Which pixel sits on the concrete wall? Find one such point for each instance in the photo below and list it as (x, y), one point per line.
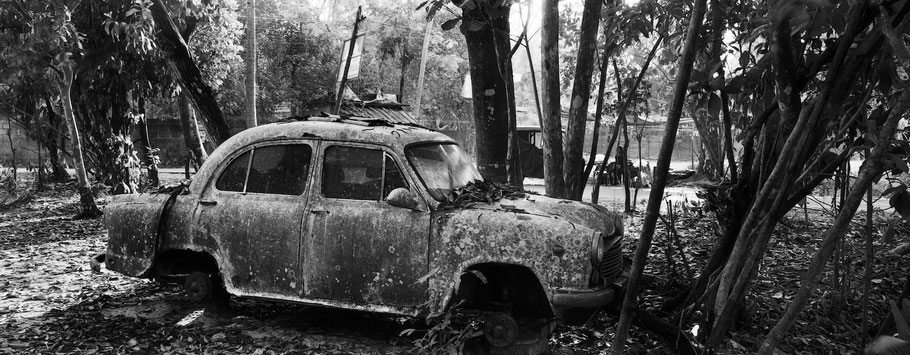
(26, 149)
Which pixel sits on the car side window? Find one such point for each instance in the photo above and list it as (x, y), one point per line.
(234, 176)
(279, 169)
(359, 174)
(275, 169)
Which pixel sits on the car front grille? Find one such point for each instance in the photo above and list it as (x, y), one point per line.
(611, 264)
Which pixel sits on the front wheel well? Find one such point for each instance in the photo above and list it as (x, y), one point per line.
(502, 287)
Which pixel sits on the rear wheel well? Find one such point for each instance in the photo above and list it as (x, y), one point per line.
(181, 262)
(501, 287)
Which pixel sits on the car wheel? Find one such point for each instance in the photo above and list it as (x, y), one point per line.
(502, 334)
(198, 286)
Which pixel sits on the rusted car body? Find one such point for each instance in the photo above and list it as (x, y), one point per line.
(353, 214)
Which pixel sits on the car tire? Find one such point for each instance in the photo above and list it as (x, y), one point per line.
(523, 339)
(199, 286)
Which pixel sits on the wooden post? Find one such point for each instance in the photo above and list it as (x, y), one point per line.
(423, 68)
(347, 63)
(251, 120)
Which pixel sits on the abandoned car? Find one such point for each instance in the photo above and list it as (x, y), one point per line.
(359, 214)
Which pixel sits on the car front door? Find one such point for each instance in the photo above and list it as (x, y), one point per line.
(360, 249)
(253, 210)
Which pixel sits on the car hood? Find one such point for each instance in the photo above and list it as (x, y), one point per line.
(551, 237)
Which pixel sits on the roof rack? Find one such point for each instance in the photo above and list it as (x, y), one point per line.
(354, 120)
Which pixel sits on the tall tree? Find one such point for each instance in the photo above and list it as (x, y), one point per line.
(660, 175)
(573, 163)
(554, 179)
(86, 200)
(485, 26)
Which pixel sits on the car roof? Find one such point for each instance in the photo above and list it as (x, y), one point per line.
(350, 129)
(326, 128)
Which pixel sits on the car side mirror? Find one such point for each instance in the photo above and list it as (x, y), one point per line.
(404, 198)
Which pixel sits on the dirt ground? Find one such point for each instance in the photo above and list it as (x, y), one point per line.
(51, 302)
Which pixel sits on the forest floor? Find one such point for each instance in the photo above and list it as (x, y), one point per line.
(50, 300)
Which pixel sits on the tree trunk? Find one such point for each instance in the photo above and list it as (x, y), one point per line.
(146, 151)
(552, 122)
(12, 149)
(660, 176)
(872, 168)
(251, 120)
(191, 131)
(768, 206)
(514, 174)
(87, 202)
(187, 73)
(598, 119)
(728, 137)
(55, 142)
(490, 90)
(626, 178)
(573, 162)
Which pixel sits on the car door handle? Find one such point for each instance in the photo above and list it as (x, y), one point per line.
(208, 202)
(319, 211)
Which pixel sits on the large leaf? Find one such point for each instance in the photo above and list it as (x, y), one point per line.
(450, 24)
(901, 203)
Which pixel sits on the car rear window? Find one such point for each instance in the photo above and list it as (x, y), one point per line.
(276, 169)
(279, 169)
(359, 174)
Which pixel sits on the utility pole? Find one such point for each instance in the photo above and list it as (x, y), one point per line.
(423, 68)
(251, 65)
(347, 63)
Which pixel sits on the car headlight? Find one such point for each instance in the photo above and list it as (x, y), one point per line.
(597, 248)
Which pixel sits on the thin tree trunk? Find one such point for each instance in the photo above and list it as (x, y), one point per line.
(12, 148)
(660, 177)
(728, 136)
(515, 176)
(146, 151)
(552, 123)
(87, 202)
(867, 272)
(534, 83)
(626, 183)
(251, 51)
(598, 119)
(573, 162)
(191, 131)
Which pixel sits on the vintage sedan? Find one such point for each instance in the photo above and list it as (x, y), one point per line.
(359, 214)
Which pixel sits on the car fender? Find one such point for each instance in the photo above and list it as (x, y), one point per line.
(134, 223)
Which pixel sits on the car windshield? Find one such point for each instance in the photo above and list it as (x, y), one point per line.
(443, 167)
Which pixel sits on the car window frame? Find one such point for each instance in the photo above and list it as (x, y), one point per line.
(213, 181)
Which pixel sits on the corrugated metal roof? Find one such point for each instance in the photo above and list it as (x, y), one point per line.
(393, 113)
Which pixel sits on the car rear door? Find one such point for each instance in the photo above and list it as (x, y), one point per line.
(359, 248)
(253, 209)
